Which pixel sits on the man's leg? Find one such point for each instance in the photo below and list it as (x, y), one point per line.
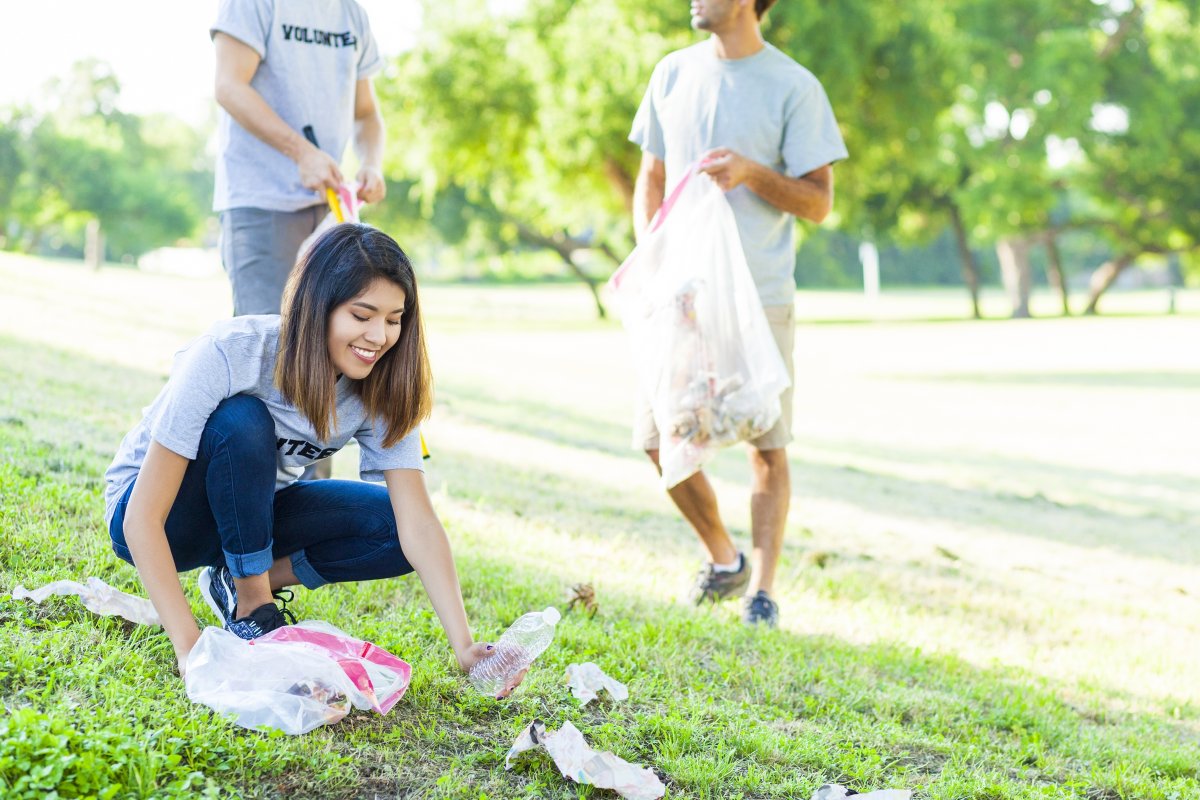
(770, 497)
(259, 249)
(771, 484)
(697, 501)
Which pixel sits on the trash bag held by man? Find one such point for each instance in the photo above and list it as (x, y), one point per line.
(702, 346)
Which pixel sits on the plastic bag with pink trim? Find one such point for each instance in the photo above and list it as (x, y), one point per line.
(293, 679)
(705, 356)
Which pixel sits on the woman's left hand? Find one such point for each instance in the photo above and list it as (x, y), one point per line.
(478, 652)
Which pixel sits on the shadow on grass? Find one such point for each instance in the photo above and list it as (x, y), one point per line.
(537, 420)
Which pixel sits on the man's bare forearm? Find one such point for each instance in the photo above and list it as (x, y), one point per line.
(647, 199)
(370, 139)
(806, 197)
(250, 111)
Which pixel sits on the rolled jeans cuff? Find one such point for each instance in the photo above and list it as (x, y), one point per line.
(243, 565)
(304, 571)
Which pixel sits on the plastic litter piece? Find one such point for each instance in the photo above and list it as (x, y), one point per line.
(587, 680)
(835, 791)
(577, 761)
(98, 597)
(293, 679)
(523, 642)
(706, 360)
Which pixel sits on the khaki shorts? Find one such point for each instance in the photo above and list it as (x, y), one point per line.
(783, 327)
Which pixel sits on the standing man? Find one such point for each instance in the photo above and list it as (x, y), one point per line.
(283, 65)
(768, 133)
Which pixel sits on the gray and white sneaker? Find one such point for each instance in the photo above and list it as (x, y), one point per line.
(713, 584)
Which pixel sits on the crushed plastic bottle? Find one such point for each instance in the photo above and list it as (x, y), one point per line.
(524, 641)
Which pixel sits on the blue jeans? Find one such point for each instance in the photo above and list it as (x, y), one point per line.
(228, 512)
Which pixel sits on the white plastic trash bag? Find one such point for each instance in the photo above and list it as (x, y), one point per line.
(293, 679)
(702, 346)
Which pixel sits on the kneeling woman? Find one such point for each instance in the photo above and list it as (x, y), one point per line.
(209, 477)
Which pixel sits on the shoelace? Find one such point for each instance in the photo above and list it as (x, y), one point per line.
(284, 611)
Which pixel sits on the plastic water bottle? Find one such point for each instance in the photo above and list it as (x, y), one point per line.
(524, 641)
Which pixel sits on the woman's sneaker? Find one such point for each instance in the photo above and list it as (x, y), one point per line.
(218, 590)
(263, 619)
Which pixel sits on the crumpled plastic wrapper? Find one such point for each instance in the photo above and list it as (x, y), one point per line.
(98, 597)
(577, 761)
(835, 791)
(587, 680)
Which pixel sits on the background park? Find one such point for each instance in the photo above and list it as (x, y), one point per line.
(991, 582)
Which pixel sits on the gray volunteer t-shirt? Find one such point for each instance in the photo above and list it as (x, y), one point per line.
(313, 54)
(766, 107)
(237, 356)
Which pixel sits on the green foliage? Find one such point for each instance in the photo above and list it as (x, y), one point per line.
(144, 179)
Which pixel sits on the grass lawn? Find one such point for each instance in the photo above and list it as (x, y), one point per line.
(990, 589)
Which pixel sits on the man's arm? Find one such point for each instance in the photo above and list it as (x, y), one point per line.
(370, 137)
(236, 64)
(809, 197)
(648, 192)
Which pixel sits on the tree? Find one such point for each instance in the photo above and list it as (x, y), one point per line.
(142, 179)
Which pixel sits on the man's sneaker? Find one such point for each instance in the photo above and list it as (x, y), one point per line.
(217, 589)
(760, 609)
(713, 584)
(263, 619)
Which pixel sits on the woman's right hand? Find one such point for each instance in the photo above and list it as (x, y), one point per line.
(480, 651)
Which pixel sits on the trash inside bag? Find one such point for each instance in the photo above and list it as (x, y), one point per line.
(705, 357)
(293, 679)
(98, 597)
(577, 761)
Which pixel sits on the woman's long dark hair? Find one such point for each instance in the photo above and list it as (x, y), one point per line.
(339, 267)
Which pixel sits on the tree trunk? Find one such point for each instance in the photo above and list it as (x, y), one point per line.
(1102, 278)
(621, 182)
(93, 245)
(1054, 271)
(565, 246)
(970, 269)
(1014, 269)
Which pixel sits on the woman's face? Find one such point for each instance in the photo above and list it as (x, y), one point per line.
(363, 329)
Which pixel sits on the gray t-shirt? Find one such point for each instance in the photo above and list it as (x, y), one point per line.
(765, 107)
(313, 54)
(237, 356)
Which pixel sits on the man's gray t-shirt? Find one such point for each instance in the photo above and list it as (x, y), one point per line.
(765, 107)
(313, 54)
(237, 356)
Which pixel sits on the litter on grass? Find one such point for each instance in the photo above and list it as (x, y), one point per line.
(577, 761)
(98, 597)
(293, 679)
(587, 680)
(835, 791)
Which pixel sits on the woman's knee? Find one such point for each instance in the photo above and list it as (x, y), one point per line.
(243, 424)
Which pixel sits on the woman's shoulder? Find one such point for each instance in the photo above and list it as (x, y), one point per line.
(244, 334)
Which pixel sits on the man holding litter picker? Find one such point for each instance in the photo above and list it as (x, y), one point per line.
(283, 66)
(764, 127)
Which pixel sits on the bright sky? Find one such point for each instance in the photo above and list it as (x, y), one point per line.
(159, 49)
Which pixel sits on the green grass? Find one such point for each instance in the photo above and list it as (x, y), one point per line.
(990, 586)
